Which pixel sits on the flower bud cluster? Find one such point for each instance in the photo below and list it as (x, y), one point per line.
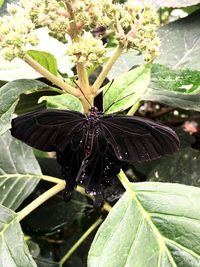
(133, 24)
(93, 14)
(139, 23)
(52, 14)
(16, 30)
(88, 50)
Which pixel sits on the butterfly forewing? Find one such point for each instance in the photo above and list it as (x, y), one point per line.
(47, 130)
(138, 139)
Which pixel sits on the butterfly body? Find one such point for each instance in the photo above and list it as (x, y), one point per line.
(91, 149)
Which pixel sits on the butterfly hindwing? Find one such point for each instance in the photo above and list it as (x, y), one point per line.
(137, 139)
(91, 168)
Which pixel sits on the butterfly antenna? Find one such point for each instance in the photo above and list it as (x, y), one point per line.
(108, 87)
(118, 101)
(120, 98)
(83, 93)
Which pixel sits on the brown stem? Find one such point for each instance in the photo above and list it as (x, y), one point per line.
(73, 26)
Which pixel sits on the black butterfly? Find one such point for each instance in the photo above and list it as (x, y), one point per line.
(92, 148)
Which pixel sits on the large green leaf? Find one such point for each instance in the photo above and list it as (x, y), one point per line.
(28, 103)
(13, 249)
(16, 69)
(179, 88)
(47, 60)
(180, 168)
(180, 43)
(126, 89)
(124, 63)
(19, 171)
(188, 102)
(63, 101)
(183, 81)
(153, 224)
(9, 97)
(1, 3)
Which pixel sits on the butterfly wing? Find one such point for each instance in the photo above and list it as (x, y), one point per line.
(101, 166)
(47, 130)
(91, 170)
(138, 139)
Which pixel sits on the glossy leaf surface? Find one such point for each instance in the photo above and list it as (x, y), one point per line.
(46, 60)
(180, 43)
(63, 101)
(9, 97)
(153, 224)
(126, 89)
(13, 249)
(19, 171)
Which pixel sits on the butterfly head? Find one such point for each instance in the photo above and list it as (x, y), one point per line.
(93, 111)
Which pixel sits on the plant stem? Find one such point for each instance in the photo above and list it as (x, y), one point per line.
(52, 179)
(73, 26)
(84, 85)
(81, 239)
(79, 189)
(51, 77)
(107, 68)
(124, 180)
(58, 181)
(107, 207)
(41, 199)
(80, 67)
(83, 78)
(134, 108)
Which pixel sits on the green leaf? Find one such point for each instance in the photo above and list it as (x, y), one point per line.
(124, 63)
(184, 81)
(29, 102)
(180, 43)
(127, 89)
(64, 101)
(19, 171)
(16, 69)
(47, 60)
(153, 224)
(177, 88)
(9, 97)
(181, 168)
(1, 3)
(187, 102)
(13, 249)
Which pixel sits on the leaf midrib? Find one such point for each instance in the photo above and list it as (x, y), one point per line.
(22, 175)
(159, 236)
(156, 231)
